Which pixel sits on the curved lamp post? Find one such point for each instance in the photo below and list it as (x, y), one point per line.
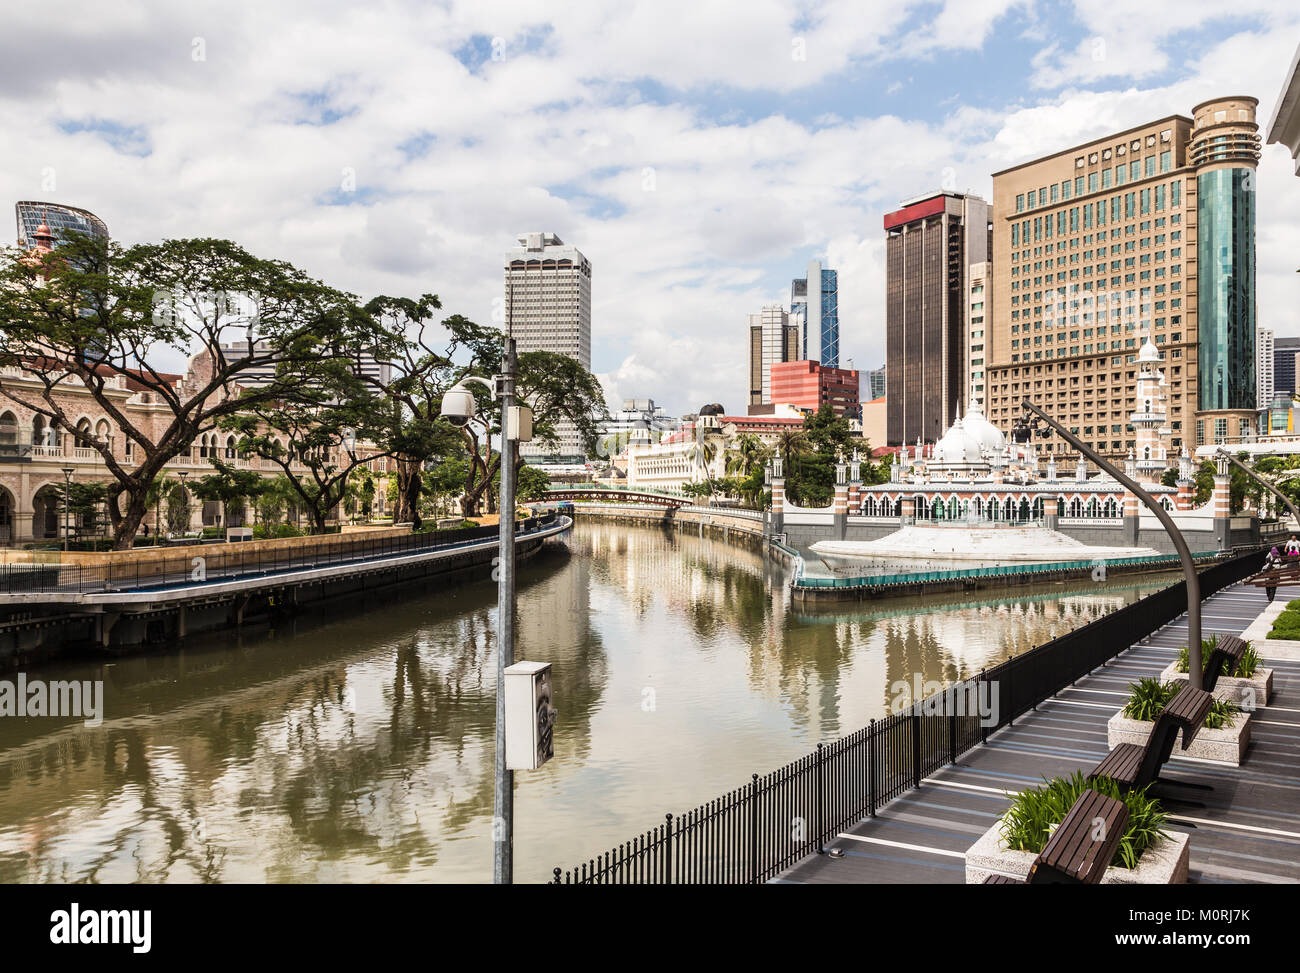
(1021, 433)
(1261, 481)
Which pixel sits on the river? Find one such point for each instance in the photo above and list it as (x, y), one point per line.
(357, 747)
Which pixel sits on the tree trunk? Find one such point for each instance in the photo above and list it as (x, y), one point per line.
(408, 489)
(128, 523)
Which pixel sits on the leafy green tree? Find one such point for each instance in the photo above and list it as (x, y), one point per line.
(228, 486)
(93, 316)
(320, 439)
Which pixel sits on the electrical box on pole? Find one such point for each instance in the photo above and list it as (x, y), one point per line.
(530, 718)
(519, 423)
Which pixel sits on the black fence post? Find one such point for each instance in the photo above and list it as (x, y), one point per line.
(668, 849)
(984, 725)
(871, 768)
(1007, 685)
(952, 725)
(821, 805)
(753, 831)
(916, 747)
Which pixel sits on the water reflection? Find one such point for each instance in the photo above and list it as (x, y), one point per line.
(359, 747)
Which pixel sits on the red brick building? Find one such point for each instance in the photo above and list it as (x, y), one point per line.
(810, 385)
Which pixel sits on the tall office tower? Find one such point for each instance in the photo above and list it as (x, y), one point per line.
(979, 298)
(816, 301)
(59, 218)
(930, 245)
(876, 385)
(1284, 357)
(256, 376)
(1149, 231)
(548, 308)
(1263, 368)
(772, 338)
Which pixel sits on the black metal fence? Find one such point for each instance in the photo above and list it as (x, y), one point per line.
(172, 566)
(755, 832)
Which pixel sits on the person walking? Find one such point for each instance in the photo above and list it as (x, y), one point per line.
(1292, 546)
(1271, 562)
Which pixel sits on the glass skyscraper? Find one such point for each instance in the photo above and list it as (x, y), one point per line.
(1225, 251)
(816, 299)
(60, 219)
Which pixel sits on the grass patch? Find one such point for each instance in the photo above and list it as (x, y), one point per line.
(1028, 822)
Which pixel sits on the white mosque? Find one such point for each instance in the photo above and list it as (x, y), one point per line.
(976, 499)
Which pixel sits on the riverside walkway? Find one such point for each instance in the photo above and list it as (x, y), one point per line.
(1247, 829)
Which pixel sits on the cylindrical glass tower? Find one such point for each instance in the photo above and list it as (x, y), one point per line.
(1225, 149)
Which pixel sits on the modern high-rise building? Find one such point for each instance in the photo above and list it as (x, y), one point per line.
(930, 246)
(978, 282)
(815, 299)
(59, 218)
(773, 337)
(808, 385)
(1145, 233)
(1263, 368)
(876, 385)
(548, 308)
(1284, 358)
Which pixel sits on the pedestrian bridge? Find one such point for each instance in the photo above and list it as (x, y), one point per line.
(599, 495)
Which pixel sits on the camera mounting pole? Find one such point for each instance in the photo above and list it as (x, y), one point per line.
(1023, 429)
(503, 831)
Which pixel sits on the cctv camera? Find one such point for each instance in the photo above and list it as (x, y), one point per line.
(458, 407)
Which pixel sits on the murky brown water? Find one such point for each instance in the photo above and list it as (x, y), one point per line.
(360, 748)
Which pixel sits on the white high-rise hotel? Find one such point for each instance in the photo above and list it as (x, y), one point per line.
(548, 308)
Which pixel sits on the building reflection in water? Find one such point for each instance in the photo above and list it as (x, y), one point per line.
(358, 747)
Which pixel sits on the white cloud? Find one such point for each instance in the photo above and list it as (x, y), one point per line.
(451, 163)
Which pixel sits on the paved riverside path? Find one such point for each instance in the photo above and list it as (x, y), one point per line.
(1246, 830)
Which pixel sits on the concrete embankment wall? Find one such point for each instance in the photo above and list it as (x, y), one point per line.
(95, 623)
(156, 560)
(744, 527)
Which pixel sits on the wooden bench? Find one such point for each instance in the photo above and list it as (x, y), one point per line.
(1081, 847)
(1224, 659)
(1133, 767)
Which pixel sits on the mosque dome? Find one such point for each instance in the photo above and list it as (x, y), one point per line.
(1149, 352)
(957, 446)
(988, 436)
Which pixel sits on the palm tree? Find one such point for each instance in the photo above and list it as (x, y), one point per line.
(703, 452)
(792, 442)
(749, 454)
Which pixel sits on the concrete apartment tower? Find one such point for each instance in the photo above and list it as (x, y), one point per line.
(815, 300)
(773, 337)
(1264, 368)
(548, 308)
(1149, 231)
(930, 246)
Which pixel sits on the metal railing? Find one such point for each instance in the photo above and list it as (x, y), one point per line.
(161, 570)
(753, 833)
(1003, 570)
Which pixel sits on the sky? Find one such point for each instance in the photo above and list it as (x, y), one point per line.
(698, 152)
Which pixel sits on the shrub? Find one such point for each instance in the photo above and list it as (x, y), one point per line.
(1245, 667)
(1222, 713)
(1026, 826)
(1148, 697)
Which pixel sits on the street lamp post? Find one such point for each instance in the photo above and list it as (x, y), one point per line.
(67, 499)
(1023, 431)
(458, 406)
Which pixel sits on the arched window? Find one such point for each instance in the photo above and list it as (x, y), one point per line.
(1076, 507)
(230, 447)
(1093, 509)
(1008, 509)
(83, 432)
(1038, 508)
(952, 508)
(1024, 509)
(936, 509)
(8, 429)
(1109, 509)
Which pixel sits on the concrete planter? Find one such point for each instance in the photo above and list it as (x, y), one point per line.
(1282, 650)
(1164, 863)
(1249, 694)
(1227, 745)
